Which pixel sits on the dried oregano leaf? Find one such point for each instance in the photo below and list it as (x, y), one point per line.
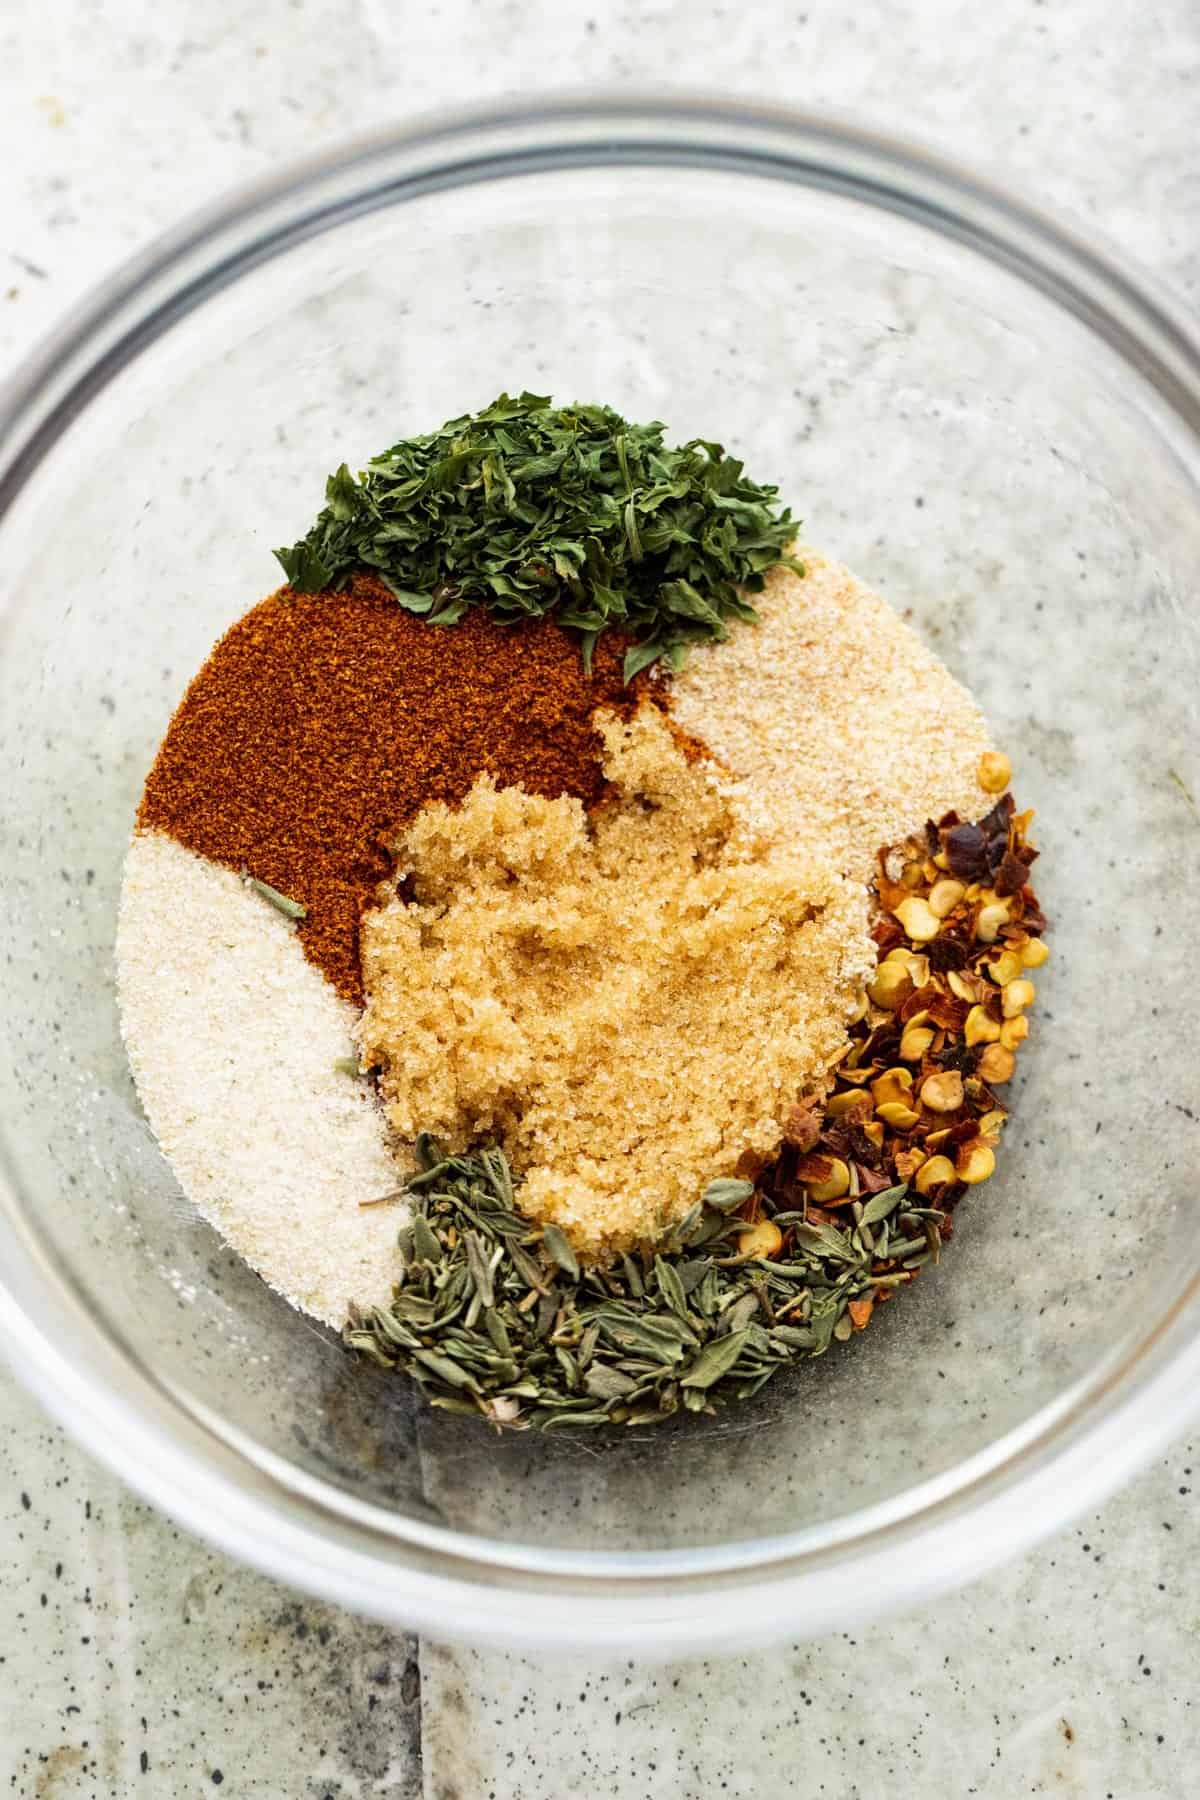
(527, 509)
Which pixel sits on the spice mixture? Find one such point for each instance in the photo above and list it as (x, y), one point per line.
(629, 1004)
(706, 972)
(321, 723)
(758, 1271)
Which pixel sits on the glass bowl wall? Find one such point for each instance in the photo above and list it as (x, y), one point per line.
(989, 423)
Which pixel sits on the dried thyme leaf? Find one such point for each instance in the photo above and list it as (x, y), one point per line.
(427, 1246)
(480, 1267)
(579, 1418)
(427, 1150)
(881, 1206)
(715, 1360)
(445, 1368)
(670, 1287)
(428, 1177)
(488, 1328)
(292, 909)
(633, 1276)
(826, 1240)
(725, 1194)
(558, 1244)
(740, 1313)
(527, 509)
(604, 1383)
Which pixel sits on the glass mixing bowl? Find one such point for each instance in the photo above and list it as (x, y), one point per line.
(988, 419)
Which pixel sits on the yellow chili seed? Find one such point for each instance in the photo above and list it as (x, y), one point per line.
(915, 1042)
(995, 771)
(897, 1115)
(1006, 968)
(1014, 1031)
(980, 1027)
(991, 918)
(763, 1239)
(944, 896)
(834, 1187)
(933, 1173)
(1017, 996)
(891, 987)
(893, 1084)
(976, 1162)
(943, 1093)
(918, 921)
(993, 1122)
(1034, 953)
(996, 1065)
(837, 1104)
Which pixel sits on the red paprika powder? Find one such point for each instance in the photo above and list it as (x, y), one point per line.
(322, 722)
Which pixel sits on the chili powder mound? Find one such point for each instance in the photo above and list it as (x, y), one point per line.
(321, 723)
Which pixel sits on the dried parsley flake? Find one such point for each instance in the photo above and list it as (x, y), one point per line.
(527, 509)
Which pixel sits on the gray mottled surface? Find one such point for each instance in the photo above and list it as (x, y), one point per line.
(1070, 1674)
(134, 1660)
(122, 1641)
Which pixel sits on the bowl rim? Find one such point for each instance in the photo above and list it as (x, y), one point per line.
(1067, 1454)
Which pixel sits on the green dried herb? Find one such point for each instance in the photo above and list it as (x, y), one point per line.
(528, 509)
(494, 1316)
(882, 1206)
(725, 1194)
(292, 909)
(559, 1246)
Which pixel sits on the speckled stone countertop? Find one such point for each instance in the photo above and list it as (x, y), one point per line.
(133, 1660)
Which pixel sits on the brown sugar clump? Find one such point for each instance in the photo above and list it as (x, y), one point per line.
(629, 1002)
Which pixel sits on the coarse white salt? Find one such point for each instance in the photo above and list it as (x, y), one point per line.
(233, 1036)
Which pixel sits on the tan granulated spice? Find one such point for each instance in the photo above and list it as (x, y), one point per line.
(629, 1001)
(849, 732)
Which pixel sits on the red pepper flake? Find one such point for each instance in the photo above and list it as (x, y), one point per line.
(802, 1126)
